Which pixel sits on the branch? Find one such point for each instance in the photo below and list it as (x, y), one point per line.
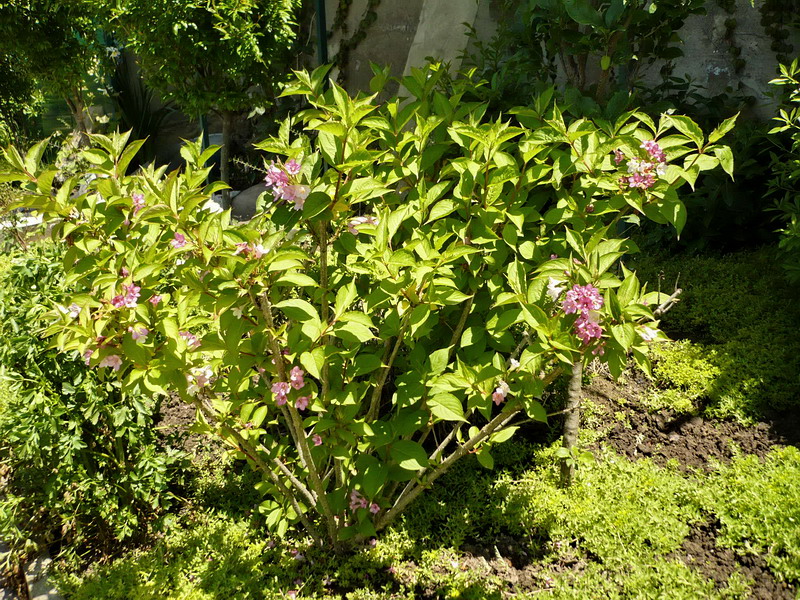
(668, 303)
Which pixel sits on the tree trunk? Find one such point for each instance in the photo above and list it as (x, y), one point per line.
(572, 422)
(225, 155)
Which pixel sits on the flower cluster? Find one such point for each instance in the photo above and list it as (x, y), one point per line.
(283, 181)
(112, 360)
(197, 378)
(129, 298)
(500, 392)
(642, 173)
(585, 300)
(296, 378)
(281, 391)
(178, 241)
(139, 334)
(358, 501)
(138, 203)
(191, 339)
(250, 250)
(355, 222)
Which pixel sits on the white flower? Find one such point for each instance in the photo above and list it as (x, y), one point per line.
(648, 333)
(237, 312)
(554, 288)
(198, 377)
(513, 364)
(212, 206)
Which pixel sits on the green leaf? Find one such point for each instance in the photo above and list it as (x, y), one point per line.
(353, 332)
(313, 361)
(315, 204)
(485, 458)
(408, 455)
(725, 156)
(723, 128)
(688, 128)
(298, 309)
(374, 474)
(441, 209)
(503, 435)
(446, 407)
(345, 296)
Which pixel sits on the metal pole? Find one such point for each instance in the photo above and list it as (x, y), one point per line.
(322, 33)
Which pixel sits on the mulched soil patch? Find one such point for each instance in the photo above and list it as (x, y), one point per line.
(693, 441)
(175, 417)
(700, 551)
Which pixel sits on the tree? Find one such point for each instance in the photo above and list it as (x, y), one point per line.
(55, 43)
(224, 56)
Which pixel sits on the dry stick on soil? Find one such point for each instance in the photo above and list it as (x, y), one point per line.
(572, 421)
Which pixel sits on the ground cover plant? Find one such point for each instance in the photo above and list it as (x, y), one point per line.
(625, 529)
(735, 355)
(385, 316)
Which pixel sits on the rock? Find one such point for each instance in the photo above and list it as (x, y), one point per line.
(243, 206)
(39, 585)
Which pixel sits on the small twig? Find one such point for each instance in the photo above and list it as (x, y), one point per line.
(668, 303)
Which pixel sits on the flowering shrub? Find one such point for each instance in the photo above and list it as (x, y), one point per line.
(428, 275)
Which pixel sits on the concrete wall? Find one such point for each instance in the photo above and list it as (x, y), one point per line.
(408, 31)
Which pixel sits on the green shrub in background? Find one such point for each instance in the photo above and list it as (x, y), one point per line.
(82, 461)
(739, 354)
(784, 186)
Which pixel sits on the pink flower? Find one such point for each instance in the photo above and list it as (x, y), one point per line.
(500, 392)
(112, 360)
(138, 203)
(317, 439)
(280, 389)
(587, 327)
(654, 150)
(118, 301)
(154, 300)
(301, 403)
(124, 272)
(292, 167)
(276, 179)
(137, 334)
(87, 356)
(553, 256)
(599, 350)
(356, 222)
(74, 310)
(191, 339)
(618, 156)
(296, 378)
(374, 508)
(253, 251)
(297, 194)
(292, 594)
(179, 241)
(131, 294)
(357, 501)
(197, 378)
(582, 298)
